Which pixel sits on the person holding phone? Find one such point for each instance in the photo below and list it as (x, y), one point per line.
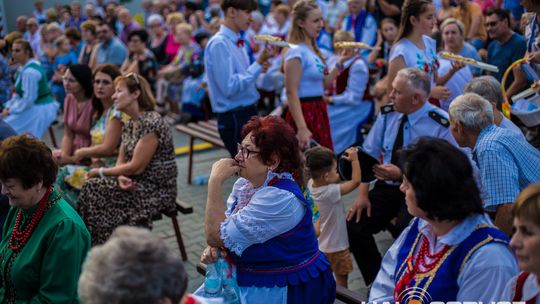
(398, 125)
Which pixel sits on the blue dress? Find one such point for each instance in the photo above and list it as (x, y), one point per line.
(279, 260)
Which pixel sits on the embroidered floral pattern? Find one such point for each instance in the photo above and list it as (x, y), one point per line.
(429, 66)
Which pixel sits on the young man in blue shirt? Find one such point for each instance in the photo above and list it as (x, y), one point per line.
(231, 77)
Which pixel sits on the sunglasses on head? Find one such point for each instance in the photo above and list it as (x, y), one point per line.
(135, 77)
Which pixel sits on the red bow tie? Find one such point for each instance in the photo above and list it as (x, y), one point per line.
(240, 42)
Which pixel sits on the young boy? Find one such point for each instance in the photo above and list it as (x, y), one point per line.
(326, 192)
(231, 77)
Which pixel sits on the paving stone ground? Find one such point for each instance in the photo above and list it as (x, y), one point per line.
(192, 225)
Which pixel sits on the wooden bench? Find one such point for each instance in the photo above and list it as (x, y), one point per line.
(183, 208)
(203, 130)
(342, 294)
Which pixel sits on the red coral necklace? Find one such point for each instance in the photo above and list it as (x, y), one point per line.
(413, 265)
(19, 238)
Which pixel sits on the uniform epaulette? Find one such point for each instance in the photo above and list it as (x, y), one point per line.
(387, 109)
(443, 121)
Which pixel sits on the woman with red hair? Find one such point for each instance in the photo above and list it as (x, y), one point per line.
(267, 227)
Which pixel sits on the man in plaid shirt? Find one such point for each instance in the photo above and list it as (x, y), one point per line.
(507, 162)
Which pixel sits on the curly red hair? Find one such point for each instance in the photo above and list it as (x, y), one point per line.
(275, 138)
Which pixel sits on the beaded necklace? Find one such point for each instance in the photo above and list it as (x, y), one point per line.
(19, 238)
(413, 265)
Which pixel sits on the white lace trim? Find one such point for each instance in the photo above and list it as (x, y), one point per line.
(244, 190)
(228, 241)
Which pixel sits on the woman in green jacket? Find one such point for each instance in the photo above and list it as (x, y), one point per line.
(45, 241)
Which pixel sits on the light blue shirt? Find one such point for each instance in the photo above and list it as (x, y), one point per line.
(112, 51)
(231, 79)
(380, 140)
(483, 277)
(508, 124)
(507, 163)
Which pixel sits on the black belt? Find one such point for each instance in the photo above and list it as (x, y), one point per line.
(311, 99)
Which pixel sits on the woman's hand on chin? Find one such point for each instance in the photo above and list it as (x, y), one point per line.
(223, 169)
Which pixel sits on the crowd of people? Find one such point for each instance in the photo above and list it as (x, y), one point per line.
(455, 181)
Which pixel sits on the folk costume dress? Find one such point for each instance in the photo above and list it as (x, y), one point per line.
(471, 261)
(32, 108)
(423, 59)
(524, 287)
(104, 206)
(310, 92)
(45, 268)
(364, 28)
(270, 235)
(352, 105)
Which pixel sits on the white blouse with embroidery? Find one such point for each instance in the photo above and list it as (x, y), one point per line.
(259, 213)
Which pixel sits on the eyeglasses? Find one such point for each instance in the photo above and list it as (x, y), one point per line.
(245, 152)
(135, 77)
(16, 50)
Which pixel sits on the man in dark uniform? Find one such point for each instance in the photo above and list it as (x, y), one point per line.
(399, 124)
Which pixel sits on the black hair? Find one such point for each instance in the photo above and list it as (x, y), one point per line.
(245, 5)
(200, 36)
(142, 34)
(501, 13)
(191, 5)
(442, 178)
(83, 74)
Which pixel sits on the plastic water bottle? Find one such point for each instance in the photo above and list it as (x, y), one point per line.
(212, 281)
(231, 292)
(201, 180)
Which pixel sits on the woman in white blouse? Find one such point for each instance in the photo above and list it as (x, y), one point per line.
(451, 251)
(267, 227)
(306, 76)
(32, 107)
(414, 47)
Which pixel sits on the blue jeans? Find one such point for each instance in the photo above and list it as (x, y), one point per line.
(230, 125)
